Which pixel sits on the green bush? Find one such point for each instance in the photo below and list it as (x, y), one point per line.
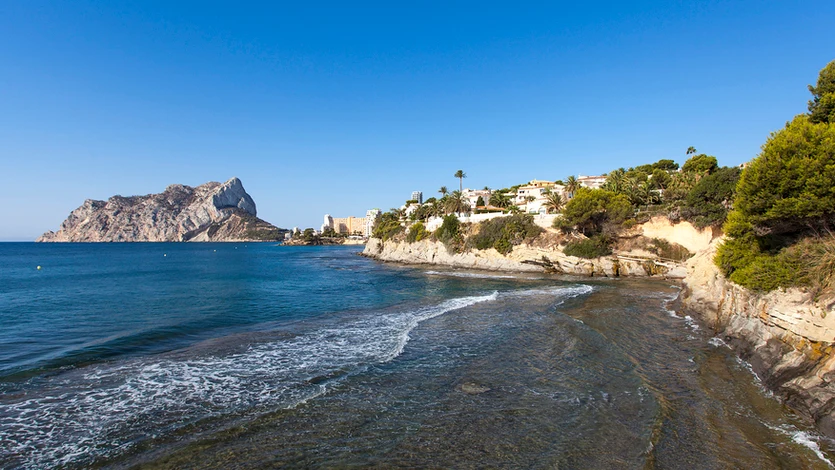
(789, 186)
(417, 232)
(387, 226)
(665, 249)
(592, 210)
(449, 230)
(589, 248)
(503, 233)
(707, 203)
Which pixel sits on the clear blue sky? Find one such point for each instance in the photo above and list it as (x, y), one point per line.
(334, 109)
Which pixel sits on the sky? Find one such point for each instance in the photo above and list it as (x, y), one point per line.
(342, 107)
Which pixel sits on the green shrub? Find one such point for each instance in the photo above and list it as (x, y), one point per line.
(449, 230)
(503, 233)
(707, 203)
(592, 210)
(673, 251)
(589, 248)
(767, 272)
(417, 232)
(387, 226)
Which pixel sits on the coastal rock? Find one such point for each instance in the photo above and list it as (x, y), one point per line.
(523, 258)
(785, 335)
(209, 212)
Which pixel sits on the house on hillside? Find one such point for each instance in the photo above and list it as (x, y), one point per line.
(591, 182)
(531, 198)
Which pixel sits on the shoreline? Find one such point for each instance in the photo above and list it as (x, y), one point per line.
(785, 336)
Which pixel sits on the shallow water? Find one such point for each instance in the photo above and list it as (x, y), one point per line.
(251, 356)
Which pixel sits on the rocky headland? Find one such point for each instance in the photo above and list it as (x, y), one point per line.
(787, 336)
(209, 212)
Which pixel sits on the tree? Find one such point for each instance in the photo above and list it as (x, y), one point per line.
(700, 165)
(660, 179)
(554, 201)
(571, 186)
(666, 165)
(460, 175)
(822, 104)
(457, 203)
(479, 202)
(443, 191)
(691, 150)
(708, 202)
(615, 181)
(499, 199)
(592, 210)
(789, 186)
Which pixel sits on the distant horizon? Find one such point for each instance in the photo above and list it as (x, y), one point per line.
(338, 109)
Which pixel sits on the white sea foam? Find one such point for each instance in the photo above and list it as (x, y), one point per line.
(102, 410)
(718, 342)
(691, 322)
(556, 291)
(806, 439)
(472, 275)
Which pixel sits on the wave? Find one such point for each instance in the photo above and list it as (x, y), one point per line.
(103, 410)
(473, 275)
(806, 439)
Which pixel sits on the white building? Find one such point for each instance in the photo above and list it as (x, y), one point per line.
(371, 217)
(538, 190)
(472, 195)
(591, 182)
(417, 196)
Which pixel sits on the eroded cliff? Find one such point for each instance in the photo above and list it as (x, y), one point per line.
(209, 212)
(786, 335)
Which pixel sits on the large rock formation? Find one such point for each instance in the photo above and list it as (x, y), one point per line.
(209, 212)
(787, 335)
(523, 258)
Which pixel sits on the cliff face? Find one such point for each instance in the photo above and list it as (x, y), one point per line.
(523, 258)
(209, 212)
(786, 336)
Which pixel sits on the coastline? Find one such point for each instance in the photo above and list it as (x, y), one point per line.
(786, 336)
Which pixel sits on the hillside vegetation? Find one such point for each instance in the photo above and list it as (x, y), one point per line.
(780, 230)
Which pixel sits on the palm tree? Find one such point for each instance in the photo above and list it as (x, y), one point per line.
(460, 175)
(691, 150)
(648, 194)
(457, 203)
(443, 190)
(553, 201)
(498, 199)
(615, 181)
(571, 186)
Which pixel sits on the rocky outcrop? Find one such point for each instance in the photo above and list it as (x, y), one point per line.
(209, 212)
(785, 335)
(522, 258)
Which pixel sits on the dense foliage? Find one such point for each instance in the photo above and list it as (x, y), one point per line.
(592, 211)
(388, 225)
(785, 200)
(792, 183)
(822, 104)
(504, 233)
(589, 248)
(417, 232)
(449, 231)
(708, 202)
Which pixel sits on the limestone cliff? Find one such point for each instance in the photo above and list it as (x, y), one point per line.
(785, 335)
(536, 258)
(209, 212)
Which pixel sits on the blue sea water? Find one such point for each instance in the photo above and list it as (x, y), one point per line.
(252, 354)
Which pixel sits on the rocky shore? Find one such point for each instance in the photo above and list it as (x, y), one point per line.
(787, 336)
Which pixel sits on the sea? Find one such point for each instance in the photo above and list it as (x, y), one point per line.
(256, 355)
